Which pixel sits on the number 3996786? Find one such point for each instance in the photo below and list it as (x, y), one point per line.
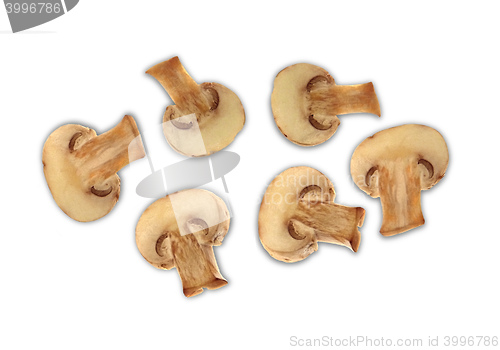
(33, 7)
(463, 341)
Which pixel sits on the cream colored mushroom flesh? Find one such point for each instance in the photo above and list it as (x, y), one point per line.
(306, 101)
(205, 118)
(396, 164)
(80, 167)
(179, 231)
(298, 211)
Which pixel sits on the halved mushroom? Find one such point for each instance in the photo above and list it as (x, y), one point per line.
(80, 167)
(298, 211)
(205, 118)
(306, 101)
(396, 164)
(179, 231)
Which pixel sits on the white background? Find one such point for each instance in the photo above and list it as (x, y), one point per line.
(70, 285)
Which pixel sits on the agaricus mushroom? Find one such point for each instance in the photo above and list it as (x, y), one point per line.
(396, 164)
(80, 167)
(179, 231)
(205, 117)
(306, 101)
(298, 211)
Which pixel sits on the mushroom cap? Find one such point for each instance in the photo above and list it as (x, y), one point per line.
(216, 129)
(290, 107)
(409, 142)
(192, 211)
(61, 170)
(277, 209)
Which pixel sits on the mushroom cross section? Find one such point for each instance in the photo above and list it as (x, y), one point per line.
(80, 167)
(298, 211)
(205, 118)
(179, 231)
(306, 101)
(396, 164)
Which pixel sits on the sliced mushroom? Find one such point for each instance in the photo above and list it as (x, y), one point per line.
(80, 167)
(179, 231)
(205, 118)
(396, 164)
(306, 101)
(298, 211)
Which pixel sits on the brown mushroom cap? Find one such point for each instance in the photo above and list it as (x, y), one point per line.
(179, 231)
(306, 101)
(80, 167)
(297, 211)
(205, 118)
(419, 143)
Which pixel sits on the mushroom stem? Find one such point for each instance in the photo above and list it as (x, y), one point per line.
(332, 223)
(400, 187)
(344, 99)
(183, 90)
(104, 155)
(196, 265)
